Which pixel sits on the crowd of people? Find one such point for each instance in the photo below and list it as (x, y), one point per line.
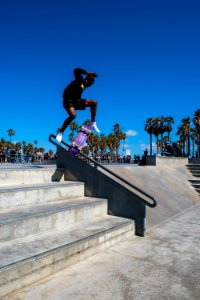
(174, 149)
(113, 158)
(13, 155)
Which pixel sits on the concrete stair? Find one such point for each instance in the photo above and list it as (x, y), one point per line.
(48, 225)
(195, 170)
(196, 185)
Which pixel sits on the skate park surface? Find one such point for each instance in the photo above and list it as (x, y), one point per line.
(163, 265)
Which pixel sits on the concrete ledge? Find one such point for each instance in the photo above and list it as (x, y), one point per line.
(172, 161)
(12, 197)
(21, 175)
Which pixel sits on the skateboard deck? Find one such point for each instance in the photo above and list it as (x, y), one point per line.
(80, 140)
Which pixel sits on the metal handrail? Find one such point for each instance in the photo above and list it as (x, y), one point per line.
(109, 171)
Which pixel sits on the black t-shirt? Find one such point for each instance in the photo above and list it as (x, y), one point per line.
(75, 89)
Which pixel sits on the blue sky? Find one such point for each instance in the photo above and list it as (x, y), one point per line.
(147, 55)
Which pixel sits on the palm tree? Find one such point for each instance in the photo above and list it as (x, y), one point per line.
(194, 138)
(161, 128)
(18, 146)
(119, 136)
(186, 126)
(111, 142)
(87, 122)
(149, 128)
(161, 122)
(169, 121)
(184, 133)
(2, 142)
(103, 144)
(28, 147)
(196, 120)
(156, 133)
(124, 136)
(73, 127)
(93, 143)
(11, 132)
(85, 150)
(35, 142)
(181, 133)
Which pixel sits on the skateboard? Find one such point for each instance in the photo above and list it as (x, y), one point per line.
(80, 140)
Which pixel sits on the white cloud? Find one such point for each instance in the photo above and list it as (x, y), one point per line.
(131, 133)
(144, 146)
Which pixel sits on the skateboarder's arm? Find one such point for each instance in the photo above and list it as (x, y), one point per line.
(78, 73)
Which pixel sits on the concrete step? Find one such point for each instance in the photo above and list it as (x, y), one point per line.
(16, 196)
(195, 170)
(33, 174)
(195, 181)
(196, 174)
(24, 222)
(196, 185)
(193, 166)
(25, 261)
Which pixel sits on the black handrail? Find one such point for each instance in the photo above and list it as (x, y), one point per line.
(109, 171)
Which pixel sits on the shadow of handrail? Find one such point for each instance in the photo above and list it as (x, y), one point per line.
(96, 164)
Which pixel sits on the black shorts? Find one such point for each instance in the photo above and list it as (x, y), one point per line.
(78, 104)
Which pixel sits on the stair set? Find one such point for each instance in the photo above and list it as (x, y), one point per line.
(47, 224)
(54, 216)
(195, 171)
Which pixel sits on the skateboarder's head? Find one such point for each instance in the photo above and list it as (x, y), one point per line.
(89, 80)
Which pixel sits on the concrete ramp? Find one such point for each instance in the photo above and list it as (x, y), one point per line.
(168, 183)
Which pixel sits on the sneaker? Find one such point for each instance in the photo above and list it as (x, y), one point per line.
(94, 126)
(59, 136)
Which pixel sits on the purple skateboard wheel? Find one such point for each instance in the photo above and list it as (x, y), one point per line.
(74, 151)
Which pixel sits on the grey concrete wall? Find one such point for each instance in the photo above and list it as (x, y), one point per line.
(173, 161)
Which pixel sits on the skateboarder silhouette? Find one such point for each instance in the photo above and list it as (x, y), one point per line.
(72, 100)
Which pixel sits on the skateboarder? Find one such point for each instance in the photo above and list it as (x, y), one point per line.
(72, 99)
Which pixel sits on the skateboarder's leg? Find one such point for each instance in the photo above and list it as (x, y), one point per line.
(72, 115)
(93, 109)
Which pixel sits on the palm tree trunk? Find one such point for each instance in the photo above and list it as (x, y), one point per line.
(192, 147)
(189, 145)
(184, 147)
(150, 143)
